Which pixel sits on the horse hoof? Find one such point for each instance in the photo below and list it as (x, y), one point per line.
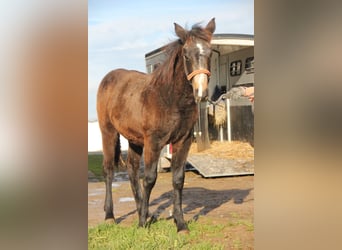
(184, 232)
(110, 221)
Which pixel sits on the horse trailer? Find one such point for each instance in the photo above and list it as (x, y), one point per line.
(232, 65)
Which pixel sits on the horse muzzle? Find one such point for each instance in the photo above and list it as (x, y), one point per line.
(199, 80)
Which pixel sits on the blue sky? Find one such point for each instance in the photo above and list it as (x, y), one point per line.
(120, 33)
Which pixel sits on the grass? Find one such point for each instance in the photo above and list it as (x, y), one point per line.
(204, 234)
(95, 165)
(160, 235)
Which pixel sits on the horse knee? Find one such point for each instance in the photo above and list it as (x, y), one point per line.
(150, 179)
(107, 168)
(178, 183)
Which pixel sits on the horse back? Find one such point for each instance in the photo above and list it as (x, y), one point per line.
(128, 103)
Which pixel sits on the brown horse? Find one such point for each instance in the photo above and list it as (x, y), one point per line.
(152, 110)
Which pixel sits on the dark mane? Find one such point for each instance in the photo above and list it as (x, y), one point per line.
(166, 72)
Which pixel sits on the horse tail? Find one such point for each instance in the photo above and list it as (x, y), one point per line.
(118, 161)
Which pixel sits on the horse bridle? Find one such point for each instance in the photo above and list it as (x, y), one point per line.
(196, 72)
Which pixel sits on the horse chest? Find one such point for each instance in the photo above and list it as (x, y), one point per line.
(184, 119)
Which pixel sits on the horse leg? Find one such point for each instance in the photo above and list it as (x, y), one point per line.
(179, 155)
(133, 164)
(109, 139)
(151, 158)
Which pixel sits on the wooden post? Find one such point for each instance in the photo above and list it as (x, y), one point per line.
(201, 127)
(229, 132)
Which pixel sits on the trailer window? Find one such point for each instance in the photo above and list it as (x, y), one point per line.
(249, 65)
(235, 68)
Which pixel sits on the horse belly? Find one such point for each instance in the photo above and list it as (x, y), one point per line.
(132, 133)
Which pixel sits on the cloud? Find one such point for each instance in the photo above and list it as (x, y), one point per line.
(120, 33)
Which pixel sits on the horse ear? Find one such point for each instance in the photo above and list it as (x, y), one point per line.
(180, 32)
(211, 26)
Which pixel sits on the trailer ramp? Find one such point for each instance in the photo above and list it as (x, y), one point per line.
(210, 166)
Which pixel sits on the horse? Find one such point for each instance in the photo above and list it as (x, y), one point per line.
(151, 111)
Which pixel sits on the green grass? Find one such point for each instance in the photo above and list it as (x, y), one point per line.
(237, 221)
(95, 165)
(160, 235)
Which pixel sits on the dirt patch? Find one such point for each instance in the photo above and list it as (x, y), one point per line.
(227, 201)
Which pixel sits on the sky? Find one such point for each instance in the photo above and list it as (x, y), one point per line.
(120, 33)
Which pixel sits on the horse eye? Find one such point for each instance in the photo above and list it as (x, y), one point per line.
(186, 58)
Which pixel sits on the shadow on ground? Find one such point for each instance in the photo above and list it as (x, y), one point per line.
(195, 198)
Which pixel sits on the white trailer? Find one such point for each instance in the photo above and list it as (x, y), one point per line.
(232, 65)
(232, 61)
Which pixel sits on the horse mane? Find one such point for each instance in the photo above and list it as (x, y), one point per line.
(172, 69)
(166, 73)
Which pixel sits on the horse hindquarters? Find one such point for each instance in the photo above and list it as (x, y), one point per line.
(110, 139)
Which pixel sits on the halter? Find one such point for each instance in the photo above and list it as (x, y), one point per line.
(196, 72)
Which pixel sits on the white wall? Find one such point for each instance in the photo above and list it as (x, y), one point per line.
(95, 138)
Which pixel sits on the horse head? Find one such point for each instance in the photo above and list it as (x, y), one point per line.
(196, 54)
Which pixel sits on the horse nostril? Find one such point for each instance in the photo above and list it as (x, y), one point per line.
(202, 97)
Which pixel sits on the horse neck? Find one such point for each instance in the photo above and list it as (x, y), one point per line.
(170, 81)
(177, 91)
(179, 84)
